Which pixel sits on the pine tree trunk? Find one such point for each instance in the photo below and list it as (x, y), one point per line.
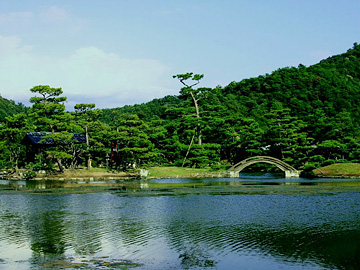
(58, 160)
(89, 163)
(188, 151)
(88, 147)
(198, 129)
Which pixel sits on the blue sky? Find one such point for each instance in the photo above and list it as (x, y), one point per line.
(121, 52)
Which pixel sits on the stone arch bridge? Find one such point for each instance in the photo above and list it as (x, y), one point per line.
(290, 172)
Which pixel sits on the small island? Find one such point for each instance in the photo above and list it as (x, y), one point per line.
(339, 170)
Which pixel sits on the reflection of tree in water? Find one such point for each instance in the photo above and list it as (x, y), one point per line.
(189, 242)
(84, 226)
(53, 231)
(331, 248)
(79, 223)
(85, 236)
(195, 256)
(47, 232)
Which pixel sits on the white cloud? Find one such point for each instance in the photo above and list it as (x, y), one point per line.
(89, 75)
(41, 19)
(55, 14)
(16, 16)
(8, 45)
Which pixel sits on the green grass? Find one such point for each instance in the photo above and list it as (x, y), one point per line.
(81, 171)
(339, 169)
(177, 172)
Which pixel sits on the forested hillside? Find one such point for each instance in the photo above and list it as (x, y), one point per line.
(307, 116)
(300, 114)
(9, 107)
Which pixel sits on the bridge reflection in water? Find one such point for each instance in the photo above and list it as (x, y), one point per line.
(289, 171)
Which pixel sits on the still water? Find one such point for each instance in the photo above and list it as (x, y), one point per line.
(117, 228)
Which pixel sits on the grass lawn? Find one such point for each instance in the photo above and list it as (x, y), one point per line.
(339, 169)
(93, 172)
(177, 172)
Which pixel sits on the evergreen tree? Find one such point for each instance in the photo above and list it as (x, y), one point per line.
(12, 133)
(133, 146)
(86, 118)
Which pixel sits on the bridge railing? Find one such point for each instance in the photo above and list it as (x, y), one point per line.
(286, 168)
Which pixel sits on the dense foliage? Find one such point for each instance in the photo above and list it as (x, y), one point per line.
(9, 107)
(306, 116)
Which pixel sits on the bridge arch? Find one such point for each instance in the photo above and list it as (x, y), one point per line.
(289, 171)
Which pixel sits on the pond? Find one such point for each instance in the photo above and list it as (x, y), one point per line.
(254, 222)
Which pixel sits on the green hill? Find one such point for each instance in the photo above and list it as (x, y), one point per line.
(329, 87)
(299, 114)
(349, 170)
(9, 107)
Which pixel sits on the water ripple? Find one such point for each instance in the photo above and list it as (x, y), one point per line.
(186, 231)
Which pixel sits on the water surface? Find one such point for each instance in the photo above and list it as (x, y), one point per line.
(183, 230)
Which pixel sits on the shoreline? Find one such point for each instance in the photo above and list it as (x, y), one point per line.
(101, 174)
(136, 176)
(72, 176)
(338, 176)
